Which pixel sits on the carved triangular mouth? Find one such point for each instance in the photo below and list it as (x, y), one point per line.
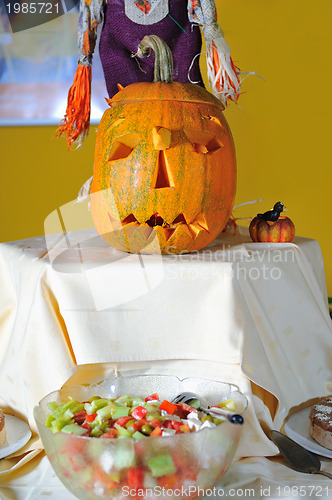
(163, 227)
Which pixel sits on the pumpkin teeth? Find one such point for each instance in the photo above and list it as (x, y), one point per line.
(180, 218)
(201, 221)
(130, 222)
(129, 219)
(168, 232)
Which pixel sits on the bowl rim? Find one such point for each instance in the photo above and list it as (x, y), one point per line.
(233, 388)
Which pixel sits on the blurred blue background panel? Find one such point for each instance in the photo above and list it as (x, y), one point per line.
(37, 67)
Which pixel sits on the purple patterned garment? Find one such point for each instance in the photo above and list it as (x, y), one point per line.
(120, 38)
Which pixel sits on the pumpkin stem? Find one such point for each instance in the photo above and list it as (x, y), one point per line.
(163, 66)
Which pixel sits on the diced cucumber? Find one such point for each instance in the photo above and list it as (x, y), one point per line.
(95, 405)
(58, 424)
(120, 412)
(96, 431)
(49, 420)
(72, 410)
(105, 412)
(122, 431)
(71, 404)
(52, 406)
(195, 403)
(138, 435)
(161, 465)
(152, 406)
(124, 457)
(73, 429)
(131, 429)
(123, 399)
(138, 402)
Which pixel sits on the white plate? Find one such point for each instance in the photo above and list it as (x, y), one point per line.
(297, 428)
(17, 435)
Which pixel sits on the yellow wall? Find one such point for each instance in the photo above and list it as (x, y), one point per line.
(282, 127)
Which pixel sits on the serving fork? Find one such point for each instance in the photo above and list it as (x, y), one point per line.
(215, 412)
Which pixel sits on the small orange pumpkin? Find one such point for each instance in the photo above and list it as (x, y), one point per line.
(165, 171)
(280, 231)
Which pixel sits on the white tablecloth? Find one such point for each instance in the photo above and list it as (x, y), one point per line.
(73, 310)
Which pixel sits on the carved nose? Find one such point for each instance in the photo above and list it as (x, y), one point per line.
(161, 138)
(163, 178)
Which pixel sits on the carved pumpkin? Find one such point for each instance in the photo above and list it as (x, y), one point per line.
(279, 231)
(165, 173)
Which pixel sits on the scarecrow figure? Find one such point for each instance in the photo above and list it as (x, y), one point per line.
(126, 22)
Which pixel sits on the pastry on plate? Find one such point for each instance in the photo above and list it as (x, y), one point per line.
(321, 422)
(2, 428)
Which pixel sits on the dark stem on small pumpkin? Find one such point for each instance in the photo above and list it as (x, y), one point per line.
(163, 65)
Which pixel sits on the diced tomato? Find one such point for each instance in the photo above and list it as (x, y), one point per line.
(181, 459)
(156, 432)
(111, 434)
(79, 417)
(123, 420)
(135, 478)
(188, 408)
(168, 406)
(73, 446)
(183, 410)
(155, 423)
(176, 425)
(88, 428)
(152, 397)
(90, 418)
(139, 412)
(106, 481)
(180, 412)
(167, 424)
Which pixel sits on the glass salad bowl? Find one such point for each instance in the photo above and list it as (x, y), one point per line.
(168, 463)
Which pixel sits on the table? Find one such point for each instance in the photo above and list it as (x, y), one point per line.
(75, 310)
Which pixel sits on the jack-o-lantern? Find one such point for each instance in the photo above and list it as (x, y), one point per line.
(165, 173)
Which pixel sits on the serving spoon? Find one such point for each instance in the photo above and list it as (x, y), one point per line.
(298, 457)
(189, 397)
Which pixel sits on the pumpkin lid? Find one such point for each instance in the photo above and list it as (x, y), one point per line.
(161, 91)
(163, 88)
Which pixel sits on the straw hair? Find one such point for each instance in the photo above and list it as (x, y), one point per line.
(75, 124)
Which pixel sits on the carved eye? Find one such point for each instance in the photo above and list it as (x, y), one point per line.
(204, 143)
(123, 146)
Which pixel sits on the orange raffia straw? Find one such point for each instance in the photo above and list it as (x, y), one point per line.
(223, 80)
(222, 73)
(75, 124)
